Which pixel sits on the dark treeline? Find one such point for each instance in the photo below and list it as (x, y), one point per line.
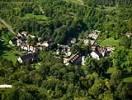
(69, 17)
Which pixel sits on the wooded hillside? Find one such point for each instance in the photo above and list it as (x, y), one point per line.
(109, 78)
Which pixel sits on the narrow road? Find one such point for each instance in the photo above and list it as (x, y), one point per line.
(7, 25)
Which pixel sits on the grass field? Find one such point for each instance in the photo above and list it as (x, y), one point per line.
(80, 2)
(109, 42)
(127, 80)
(111, 70)
(11, 55)
(37, 17)
(8, 52)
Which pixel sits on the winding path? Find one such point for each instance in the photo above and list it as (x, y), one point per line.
(8, 26)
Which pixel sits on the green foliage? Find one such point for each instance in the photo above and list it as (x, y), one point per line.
(110, 42)
(120, 58)
(127, 80)
(60, 20)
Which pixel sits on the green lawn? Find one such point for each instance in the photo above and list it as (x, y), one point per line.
(127, 80)
(80, 2)
(32, 16)
(8, 52)
(107, 8)
(109, 42)
(11, 55)
(111, 70)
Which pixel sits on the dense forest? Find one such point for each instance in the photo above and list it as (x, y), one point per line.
(109, 78)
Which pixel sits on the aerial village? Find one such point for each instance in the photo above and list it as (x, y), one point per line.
(30, 55)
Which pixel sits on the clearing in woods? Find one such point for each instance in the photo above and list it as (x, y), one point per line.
(80, 2)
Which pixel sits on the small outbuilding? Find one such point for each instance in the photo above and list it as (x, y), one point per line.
(3, 86)
(28, 58)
